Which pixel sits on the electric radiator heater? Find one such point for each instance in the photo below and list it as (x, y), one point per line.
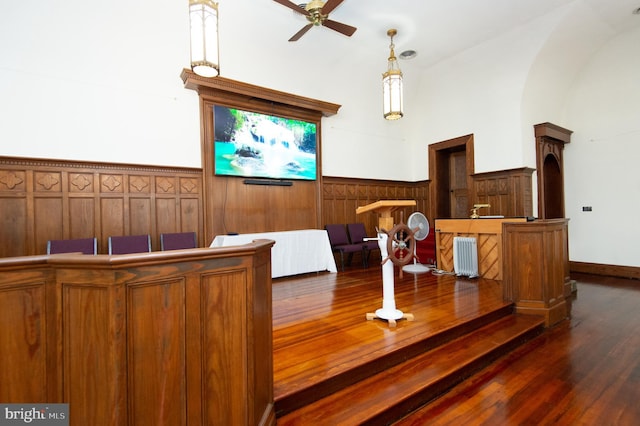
(465, 256)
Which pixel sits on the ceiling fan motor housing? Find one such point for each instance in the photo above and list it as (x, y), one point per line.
(315, 12)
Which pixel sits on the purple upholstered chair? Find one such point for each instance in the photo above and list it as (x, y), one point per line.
(129, 244)
(340, 243)
(177, 240)
(357, 234)
(76, 245)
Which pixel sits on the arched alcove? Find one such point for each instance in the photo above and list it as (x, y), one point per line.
(550, 141)
(553, 196)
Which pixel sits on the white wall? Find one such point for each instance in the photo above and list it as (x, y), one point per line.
(95, 82)
(601, 162)
(479, 91)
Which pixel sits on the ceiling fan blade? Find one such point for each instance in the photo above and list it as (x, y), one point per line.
(329, 6)
(300, 33)
(293, 6)
(345, 29)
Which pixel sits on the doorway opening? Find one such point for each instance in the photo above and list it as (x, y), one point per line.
(451, 167)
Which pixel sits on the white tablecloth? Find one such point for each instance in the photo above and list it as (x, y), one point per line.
(294, 252)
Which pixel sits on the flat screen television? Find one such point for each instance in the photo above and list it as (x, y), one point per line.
(255, 145)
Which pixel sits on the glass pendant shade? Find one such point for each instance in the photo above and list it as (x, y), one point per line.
(392, 95)
(203, 18)
(392, 106)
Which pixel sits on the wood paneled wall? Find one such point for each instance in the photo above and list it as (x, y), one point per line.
(240, 208)
(341, 197)
(41, 200)
(508, 191)
(51, 199)
(231, 206)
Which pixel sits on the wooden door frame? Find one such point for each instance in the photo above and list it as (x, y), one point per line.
(457, 144)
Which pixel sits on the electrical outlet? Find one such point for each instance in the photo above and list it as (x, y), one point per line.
(587, 209)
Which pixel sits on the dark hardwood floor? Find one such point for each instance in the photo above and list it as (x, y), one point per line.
(586, 370)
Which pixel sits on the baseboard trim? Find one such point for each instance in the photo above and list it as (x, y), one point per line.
(608, 270)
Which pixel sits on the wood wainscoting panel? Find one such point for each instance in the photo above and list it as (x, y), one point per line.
(42, 200)
(509, 192)
(94, 364)
(83, 210)
(23, 342)
(537, 286)
(221, 294)
(242, 208)
(342, 196)
(112, 221)
(140, 216)
(14, 225)
(156, 349)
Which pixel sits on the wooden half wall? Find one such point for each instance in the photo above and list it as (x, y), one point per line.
(180, 337)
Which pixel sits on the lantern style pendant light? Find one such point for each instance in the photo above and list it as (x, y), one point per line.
(392, 85)
(203, 17)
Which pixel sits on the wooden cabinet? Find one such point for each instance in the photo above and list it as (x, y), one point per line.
(177, 338)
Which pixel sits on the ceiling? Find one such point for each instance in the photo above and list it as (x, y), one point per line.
(435, 29)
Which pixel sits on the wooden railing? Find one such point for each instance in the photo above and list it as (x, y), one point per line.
(178, 337)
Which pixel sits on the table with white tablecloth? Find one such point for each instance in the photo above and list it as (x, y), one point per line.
(294, 252)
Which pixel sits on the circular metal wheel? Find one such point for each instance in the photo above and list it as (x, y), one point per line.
(400, 244)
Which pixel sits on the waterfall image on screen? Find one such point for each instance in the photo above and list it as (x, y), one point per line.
(257, 145)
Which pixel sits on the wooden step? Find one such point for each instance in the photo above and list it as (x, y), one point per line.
(370, 357)
(388, 395)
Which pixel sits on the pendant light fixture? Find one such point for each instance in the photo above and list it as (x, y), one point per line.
(392, 85)
(203, 18)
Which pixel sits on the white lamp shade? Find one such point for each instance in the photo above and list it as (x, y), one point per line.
(203, 17)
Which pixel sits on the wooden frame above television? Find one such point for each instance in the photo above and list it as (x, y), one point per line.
(223, 86)
(232, 206)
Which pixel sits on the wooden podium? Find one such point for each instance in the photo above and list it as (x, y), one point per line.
(384, 208)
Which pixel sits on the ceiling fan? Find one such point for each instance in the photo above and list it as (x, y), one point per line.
(317, 13)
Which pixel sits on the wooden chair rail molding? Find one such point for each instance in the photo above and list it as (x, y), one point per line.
(177, 337)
